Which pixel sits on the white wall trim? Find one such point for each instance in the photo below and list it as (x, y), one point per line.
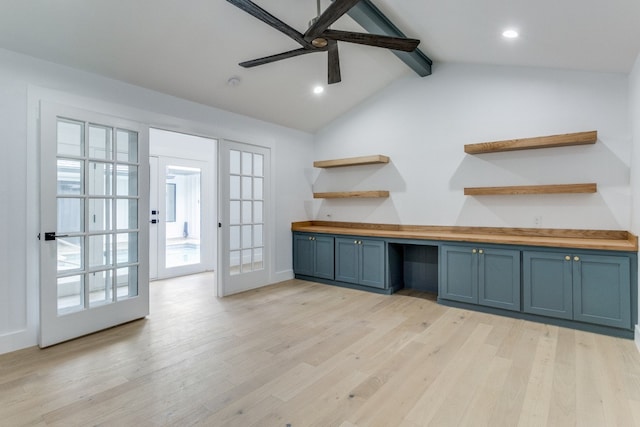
(17, 340)
(28, 336)
(638, 337)
(281, 276)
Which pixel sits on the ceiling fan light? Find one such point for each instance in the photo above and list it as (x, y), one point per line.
(510, 34)
(319, 42)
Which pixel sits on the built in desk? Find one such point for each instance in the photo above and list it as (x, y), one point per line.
(584, 279)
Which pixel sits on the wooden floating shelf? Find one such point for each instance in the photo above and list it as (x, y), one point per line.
(532, 189)
(352, 161)
(352, 194)
(563, 140)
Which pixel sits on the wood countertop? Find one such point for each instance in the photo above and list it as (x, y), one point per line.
(611, 240)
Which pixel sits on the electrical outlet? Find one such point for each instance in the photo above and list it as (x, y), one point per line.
(537, 221)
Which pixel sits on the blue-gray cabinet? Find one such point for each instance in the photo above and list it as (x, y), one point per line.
(313, 255)
(360, 261)
(547, 284)
(601, 289)
(586, 287)
(480, 275)
(458, 274)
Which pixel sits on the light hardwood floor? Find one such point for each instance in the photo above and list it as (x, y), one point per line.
(304, 354)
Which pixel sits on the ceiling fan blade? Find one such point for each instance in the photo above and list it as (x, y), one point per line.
(274, 58)
(258, 12)
(328, 17)
(388, 42)
(334, 63)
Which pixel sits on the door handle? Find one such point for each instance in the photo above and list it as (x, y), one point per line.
(52, 235)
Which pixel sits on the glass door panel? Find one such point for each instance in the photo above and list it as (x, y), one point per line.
(87, 211)
(182, 224)
(184, 217)
(245, 211)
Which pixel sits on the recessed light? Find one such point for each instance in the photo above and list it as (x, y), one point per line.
(318, 90)
(510, 34)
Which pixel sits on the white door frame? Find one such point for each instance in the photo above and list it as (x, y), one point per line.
(192, 146)
(153, 226)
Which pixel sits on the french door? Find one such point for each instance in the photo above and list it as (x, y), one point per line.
(94, 188)
(182, 222)
(244, 208)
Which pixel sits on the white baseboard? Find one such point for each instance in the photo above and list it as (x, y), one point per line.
(281, 276)
(638, 336)
(17, 340)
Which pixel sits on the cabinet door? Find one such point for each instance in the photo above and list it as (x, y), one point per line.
(347, 260)
(499, 278)
(303, 254)
(601, 292)
(372, 262)
(458, 274)
(547, 284)
(324, 257)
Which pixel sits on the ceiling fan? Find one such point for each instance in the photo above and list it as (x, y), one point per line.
(319, 38)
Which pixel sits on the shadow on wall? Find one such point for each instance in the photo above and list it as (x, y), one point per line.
(357, 210)
(593, 163)
(573, 211)
(564, 165)
(355, 178)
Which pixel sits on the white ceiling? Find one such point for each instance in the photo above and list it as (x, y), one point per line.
(190, 49)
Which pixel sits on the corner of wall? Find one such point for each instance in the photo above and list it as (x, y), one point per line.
(281, 276)
(634, 109)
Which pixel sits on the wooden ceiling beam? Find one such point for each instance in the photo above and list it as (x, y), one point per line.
(374, 21)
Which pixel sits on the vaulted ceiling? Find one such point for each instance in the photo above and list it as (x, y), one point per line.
(190, 49)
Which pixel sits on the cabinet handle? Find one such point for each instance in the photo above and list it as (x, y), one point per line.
(576, 258)
(567, 258)
(360, 242)
(355, 242)
(480, 251)
(473, 251)
(310, 238)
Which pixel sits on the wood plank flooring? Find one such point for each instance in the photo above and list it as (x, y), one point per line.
(305, 354)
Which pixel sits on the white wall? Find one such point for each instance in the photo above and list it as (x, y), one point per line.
(25, 80)
(634, 115)
(423, 124)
